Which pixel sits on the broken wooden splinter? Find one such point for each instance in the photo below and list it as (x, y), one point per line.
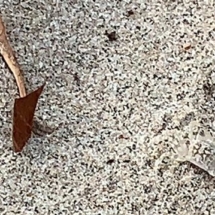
(25, 106)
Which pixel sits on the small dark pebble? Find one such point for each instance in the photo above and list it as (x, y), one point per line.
(110, 161)
(126, 161)
(130, 13)
(121, 136)
(111, 36)
(76, 79)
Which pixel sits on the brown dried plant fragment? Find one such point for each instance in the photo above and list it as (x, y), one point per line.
(25, 106)
(187, 46)
(9, 57)
(24, 109)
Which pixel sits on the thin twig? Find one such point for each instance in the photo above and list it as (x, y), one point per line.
(9, 57)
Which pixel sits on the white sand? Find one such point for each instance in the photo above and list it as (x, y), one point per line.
(138, 98)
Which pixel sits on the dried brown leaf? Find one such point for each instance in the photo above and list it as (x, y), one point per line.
(24, 109)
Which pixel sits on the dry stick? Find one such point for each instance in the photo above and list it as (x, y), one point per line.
(9, 57)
